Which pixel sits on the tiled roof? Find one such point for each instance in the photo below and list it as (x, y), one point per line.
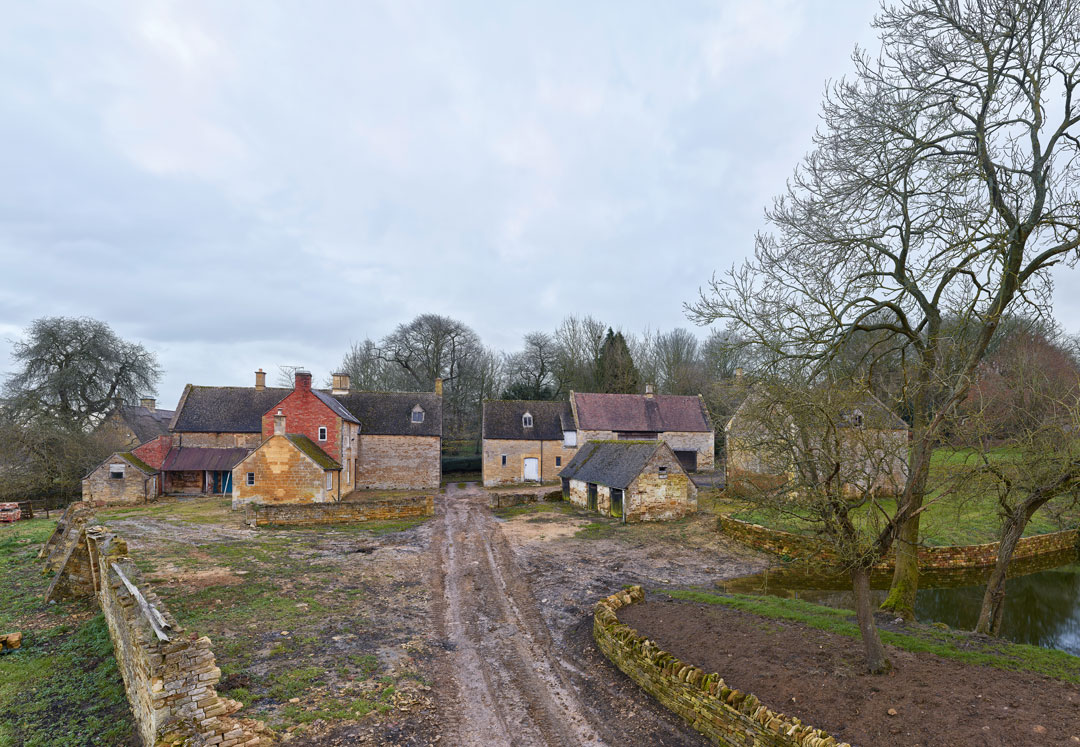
(334, 405)
(504, 419)
(145, 423)
(202, 458)
(612, 463)
(642, 413)
(390, 413)
(312, 449)
(225, 409)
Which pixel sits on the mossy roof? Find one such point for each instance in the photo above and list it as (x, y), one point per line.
(134, 461)
(312, 449)
(612, 463)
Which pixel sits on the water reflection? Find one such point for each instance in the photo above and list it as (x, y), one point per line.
(1042, 603)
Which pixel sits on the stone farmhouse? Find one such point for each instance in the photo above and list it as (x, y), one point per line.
(631, 480)
(876, 446)
(137, 424)
(526, 441)
(273, 444)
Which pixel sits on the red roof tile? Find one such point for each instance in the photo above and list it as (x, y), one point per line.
(639, 412)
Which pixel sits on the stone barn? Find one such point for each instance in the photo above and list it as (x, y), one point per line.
(122, 478)
(526, 441)
(631, 480)
(137, 424)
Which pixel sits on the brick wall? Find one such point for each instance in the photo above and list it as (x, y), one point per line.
(101, 489)
(724, 715)
(399, 463)
(153, 452)
(945, 557)
(305, 414)
(283, 474)
(169, 676)
(339, 513)
(516, 451)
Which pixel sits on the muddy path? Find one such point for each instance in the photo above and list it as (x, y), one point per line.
(510, 681)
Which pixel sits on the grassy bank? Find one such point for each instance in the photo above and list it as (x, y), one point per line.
(963, 647)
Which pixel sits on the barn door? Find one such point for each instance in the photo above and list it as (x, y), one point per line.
(532, 468)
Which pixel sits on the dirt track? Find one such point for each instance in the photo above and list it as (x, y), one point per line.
(511, 682)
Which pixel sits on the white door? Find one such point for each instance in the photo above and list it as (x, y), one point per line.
(532, 468)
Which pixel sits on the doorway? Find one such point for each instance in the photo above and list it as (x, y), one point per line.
(532, 469)
(592, 496)
(616, 503)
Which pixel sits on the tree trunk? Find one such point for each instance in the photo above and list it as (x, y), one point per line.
(905, 582)
(993, 603)
(876, 660)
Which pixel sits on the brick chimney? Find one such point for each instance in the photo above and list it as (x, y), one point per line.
(438, 387)
(260, 380)
(303, 380)
(279, 423)
(648, 390)
(148, 402)
(340, 383)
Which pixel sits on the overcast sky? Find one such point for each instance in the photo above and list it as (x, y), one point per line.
(246, 184)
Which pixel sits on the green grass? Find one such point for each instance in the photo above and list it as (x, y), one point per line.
(539, 508)
(960, 647)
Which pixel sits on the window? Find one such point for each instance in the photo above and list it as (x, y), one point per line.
(558, 461)
(569, 439)
(322, 432)
(329, 480)
(663, 473)
(526, 420)
(116, 472)
(250, 478)
(504, 460)
(418, 414)
(857, 418)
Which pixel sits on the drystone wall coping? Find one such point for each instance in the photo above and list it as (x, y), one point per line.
(503, 499)
(723, 714)
(946, 557)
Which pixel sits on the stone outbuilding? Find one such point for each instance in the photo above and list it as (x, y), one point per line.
(526, 441)
(286, 468)
(137, 424)
(123, 478)
(631, 480)
(682, 422)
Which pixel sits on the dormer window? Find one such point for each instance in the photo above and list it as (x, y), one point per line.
(418, 414)
(857, 419)
(526, 420)
(322, 432)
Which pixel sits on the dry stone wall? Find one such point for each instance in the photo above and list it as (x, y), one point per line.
(302, 514)
(724, 715)
(505, 499)
(946, 557)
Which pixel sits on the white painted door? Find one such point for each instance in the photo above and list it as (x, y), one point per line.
(532, 468)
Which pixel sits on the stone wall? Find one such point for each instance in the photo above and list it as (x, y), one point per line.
(218, 440)
(399, 463)
(724, 715)
(552, 456)
(283, 474)
(134, 487)
(302, 514)
(655, 498)
(505, 499)
(169, 675)
(703, 443)
(797, 546)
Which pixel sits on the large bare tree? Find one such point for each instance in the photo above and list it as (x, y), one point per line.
(941, 191)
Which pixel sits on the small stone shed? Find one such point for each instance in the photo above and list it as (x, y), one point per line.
(122, 478)
(631, 480)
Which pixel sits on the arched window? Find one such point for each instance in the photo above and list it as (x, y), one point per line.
(418, 414)
(526, 420)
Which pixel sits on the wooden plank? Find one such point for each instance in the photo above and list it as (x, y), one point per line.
(157, 622)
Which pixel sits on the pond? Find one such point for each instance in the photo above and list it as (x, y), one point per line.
(1042, 602)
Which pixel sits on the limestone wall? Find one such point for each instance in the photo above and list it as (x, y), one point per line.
(797, 546)
(339, 513)
(724, 715)
(133, 487)
(551, 455)
(282, 474)
(505, 498)
(655, 498)
(703, 443)
(399, 463)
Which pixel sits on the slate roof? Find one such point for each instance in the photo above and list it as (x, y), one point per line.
(390, 413)
(145, 423)
(334, 405)
(639, 412)
(225, 409)
(312, 449)
(202, 458)
(503, 419)
(612, 463)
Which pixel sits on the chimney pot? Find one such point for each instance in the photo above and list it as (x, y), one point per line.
(438, 386)
(303, 380)
(148, 402)
(648, 390)
(260, 380)
(279, 423)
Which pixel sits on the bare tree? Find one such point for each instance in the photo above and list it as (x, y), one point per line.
(580, 342)
(680, 369)
(430, 347)
(369, 372)
(941, 191)
(533, 372)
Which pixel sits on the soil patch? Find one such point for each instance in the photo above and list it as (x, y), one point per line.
(817, 676)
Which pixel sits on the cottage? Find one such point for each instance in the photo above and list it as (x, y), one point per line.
(526, 441)
(631, 480)
(874, 444)
(287, 468)
(682, 422)
(122, 478)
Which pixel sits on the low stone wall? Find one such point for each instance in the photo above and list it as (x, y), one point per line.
(497, 499)
(169, 675)
(946, 557)
(724, 715)
(303, 514)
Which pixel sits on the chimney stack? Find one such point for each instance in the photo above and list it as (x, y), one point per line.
(438, 387)
(303, 380)
(148, 402)
(279, 423)
(648, 390)
(340, 383)
(738, 375)
(260, 380)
